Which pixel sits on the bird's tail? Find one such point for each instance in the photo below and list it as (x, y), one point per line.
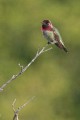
(61, 46)
(65, 49)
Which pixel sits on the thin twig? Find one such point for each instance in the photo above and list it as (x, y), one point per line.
(16, 112)
(13, 105)
(23, 69)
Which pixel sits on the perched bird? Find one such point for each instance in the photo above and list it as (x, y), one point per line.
(52, 34)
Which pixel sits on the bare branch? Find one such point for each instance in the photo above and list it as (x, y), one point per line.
(47, 49)
(16, 112)
(23, 69)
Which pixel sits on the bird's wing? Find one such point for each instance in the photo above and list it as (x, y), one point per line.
(57, 35)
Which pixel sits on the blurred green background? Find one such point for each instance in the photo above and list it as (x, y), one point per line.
(54, 77)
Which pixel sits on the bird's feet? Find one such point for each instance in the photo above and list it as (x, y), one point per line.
(48, 43)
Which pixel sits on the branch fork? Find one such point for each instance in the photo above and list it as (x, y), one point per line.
(16, 112)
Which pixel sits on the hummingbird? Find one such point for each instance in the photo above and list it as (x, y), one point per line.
(52, 34)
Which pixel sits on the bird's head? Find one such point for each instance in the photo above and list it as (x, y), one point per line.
(46, 23)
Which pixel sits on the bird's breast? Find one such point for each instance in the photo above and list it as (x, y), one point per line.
(48, 34)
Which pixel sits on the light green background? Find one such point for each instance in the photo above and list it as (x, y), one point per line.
(54, 77)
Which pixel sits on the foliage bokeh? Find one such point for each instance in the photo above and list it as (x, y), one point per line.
(54, 77)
